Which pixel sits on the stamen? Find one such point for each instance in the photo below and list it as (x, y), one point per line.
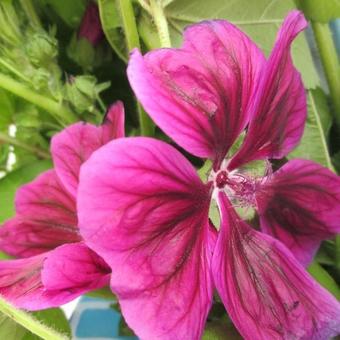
(239, 187)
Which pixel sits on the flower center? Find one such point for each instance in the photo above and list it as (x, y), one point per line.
(239, 187)
(221, 179)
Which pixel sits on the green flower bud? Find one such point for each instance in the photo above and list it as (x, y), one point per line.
(82, 52)
(82, 92)
(40, 78)
(41, 48)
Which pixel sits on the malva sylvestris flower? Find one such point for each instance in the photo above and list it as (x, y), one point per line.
(143, 208)
(53, 264)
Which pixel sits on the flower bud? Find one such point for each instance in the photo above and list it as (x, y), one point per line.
(41, 48)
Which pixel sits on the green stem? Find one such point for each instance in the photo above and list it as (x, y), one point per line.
(161, 23)
(101, 103)
(9, 67)
(337, 253)
(145, 6)
(147, 127)
(129, 24)
(132, 41)
(31, 13)
(51, 106)
(28, 322)
(330, 62)
(13, 141)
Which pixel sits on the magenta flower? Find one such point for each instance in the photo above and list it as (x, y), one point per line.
(54, 265)
(144, 209)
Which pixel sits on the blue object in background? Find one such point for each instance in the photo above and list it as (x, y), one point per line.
(94, 319)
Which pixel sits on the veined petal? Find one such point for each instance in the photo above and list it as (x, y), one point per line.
(21, 281)
(266, 292)
(199, 94)
(114, 121)
(24, 238)
(278, 110)
(71, 147)
(151, 226)
(300, 205)
(75, 266)
(46, 218)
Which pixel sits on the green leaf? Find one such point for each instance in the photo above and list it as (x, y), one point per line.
(13, 180)
(10, 330)
(314, 144)
(336, 161)
(221, 330)
(260, 19)
(148, 32)
(71, 12)
(322, 276)
(6, 110)
(54, 318)
(16, 324)
(320, 10)
(113, 26)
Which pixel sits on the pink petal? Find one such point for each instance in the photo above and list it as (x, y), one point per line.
(300, 205)
(75, 266)
(22, 238)
(198, 94)
(74, 145)
(266, 292)
(46, 218)
(113, 126)
(278, 110)
(143, 208)
(22, 281)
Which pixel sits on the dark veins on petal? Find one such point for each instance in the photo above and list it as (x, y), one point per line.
(265, 287)
(296, 204)
(260, 265)
(163, 228)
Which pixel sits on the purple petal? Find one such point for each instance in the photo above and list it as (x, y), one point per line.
(74, 145)
(46, 218)
(266, 292)
(300, 205)
(143, 208)
(73, 266)
(278, 110)
(199, 94)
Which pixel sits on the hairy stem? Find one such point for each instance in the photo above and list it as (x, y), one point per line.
(28, 322)
(145, 6)
(161, 23)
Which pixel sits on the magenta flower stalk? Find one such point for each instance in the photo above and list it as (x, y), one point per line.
(53, 264)
(143, 208)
